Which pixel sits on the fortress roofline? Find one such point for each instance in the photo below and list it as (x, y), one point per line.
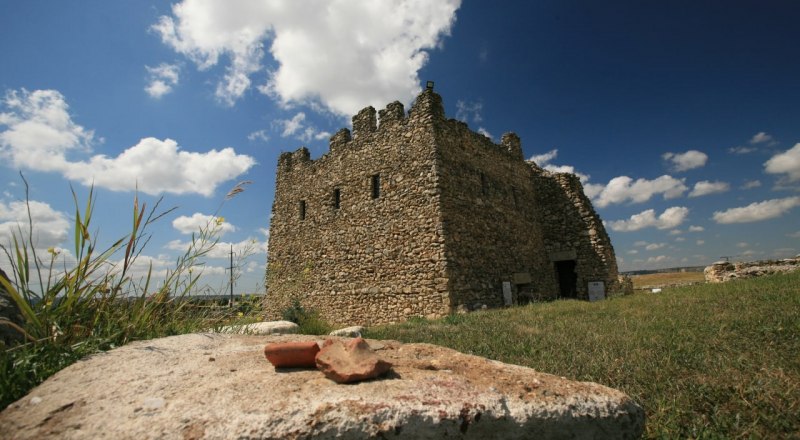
(427, 109)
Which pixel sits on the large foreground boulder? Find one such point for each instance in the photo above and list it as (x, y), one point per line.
(219, 386)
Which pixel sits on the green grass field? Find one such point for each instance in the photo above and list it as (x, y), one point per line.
(705, 361)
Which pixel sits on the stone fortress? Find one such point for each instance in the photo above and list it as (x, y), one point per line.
(416, 215)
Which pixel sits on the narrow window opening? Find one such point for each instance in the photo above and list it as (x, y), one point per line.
(337, 198)
(516, 197)
(302, 209)
(376, 186)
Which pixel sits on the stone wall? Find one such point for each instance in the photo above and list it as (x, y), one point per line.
(723, 271)
(492, 219)
(417, 215)
(372, 259)
(573, 231)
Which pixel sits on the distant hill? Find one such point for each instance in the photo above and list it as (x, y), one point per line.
(666, 270)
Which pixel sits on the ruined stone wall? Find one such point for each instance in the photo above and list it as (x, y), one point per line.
(491, 219)
(371, 260)
(723, 271)
(573, 230)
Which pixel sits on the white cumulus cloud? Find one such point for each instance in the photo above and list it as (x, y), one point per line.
(704, 188)
(543, 160)
(50, 227)
(344, 54)
(40, 132)
(741, 150)
(658, 259)
(592, 190)
(760, 138)
(750, 184)
(222, 249)
(156, 166)
(292, 126)
(157, 267)
(670, 218)
(195, 222)
(623, 189)
(686, 161)
(161, 79)
(787, 163)
(258, 135)
(41, 136)
(466, 111)
(297, 127)
(757, 211)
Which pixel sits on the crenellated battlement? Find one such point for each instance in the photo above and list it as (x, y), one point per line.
(340, 140)
(392, 114)
(364, 123)
(288, 160)
(427, 110)
(512, 144)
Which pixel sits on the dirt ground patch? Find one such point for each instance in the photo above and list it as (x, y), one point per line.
(652, 280)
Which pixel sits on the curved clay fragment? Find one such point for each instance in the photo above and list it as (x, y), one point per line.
(292, 354)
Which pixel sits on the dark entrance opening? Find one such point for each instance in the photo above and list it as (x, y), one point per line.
(567, 279)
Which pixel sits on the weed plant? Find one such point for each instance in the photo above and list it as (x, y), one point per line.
(309, 320)
(705, 361)
(97, 304)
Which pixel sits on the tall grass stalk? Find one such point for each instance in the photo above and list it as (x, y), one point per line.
(98, 303)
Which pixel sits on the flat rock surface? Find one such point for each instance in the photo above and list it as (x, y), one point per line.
(263, 328)
(220, 386)
(349, 332)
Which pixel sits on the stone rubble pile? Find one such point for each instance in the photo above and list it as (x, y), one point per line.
(723, 271)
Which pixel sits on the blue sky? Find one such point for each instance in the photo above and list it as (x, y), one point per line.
(680, 117)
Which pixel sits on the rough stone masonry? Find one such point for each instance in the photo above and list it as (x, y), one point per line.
(417, 215)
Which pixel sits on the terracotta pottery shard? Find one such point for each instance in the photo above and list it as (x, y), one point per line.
(292, 354)
(349, 362)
